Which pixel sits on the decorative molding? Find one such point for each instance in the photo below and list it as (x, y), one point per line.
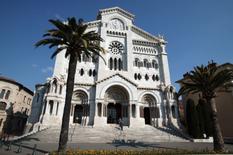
(116, 10)
(144, 43)
(146, 34)
(84, 84)
(117, 74)
(116, 33)
(95, 23)
(144, 88)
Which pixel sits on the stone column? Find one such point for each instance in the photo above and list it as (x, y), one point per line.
(102, 109)
(54, 108)
(96, 109)
(47, 108)
(137, 111)
(130, 110)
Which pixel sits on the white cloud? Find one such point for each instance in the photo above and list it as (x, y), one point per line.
(47, 69)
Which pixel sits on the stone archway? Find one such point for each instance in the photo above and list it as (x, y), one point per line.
(80, 107)
(117, 99)
(149, 109)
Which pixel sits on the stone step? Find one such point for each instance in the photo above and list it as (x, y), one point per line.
(109, 134)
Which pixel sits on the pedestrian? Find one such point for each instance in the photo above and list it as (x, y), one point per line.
(121, 124)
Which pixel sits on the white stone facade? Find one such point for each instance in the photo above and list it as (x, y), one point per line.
(134, 83)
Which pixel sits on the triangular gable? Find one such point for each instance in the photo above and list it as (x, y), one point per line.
(116, 10)
(117, 74)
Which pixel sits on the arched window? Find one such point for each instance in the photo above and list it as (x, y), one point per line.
(2, 93)
(139, 76)
(60, 90)
(146, 77)
(145, 61)
(54, 86)
(119, 64)
(153, 63)
(48, 88)
(115, 64)
(157, 78)
(136, 61)
(148, 65)
(90, 72)
(111, 64)
(7, 94)
(94, 73)
(24, 99)
(153, 78)
(51, 107)
(135, 76)
(81, 72)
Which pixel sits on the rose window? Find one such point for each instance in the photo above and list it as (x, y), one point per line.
(116, 47)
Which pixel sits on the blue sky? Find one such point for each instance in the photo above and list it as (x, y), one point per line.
(196, 30)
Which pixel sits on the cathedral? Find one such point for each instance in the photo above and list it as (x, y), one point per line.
(132, 84)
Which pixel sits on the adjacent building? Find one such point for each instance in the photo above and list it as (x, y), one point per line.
(224, 103)
(134, 83)
(15, 102)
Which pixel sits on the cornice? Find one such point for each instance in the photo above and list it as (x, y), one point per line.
(147, 35)
(95, 23)
(144, 43)
(116, 10)
(117, 74)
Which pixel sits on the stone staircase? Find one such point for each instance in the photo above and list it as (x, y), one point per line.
(109, 134)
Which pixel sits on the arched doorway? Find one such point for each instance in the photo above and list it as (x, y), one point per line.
(79, 107)
(117, 99)
(149, 109)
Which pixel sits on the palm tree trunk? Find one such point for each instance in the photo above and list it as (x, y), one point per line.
(217, 134)
(66, 113)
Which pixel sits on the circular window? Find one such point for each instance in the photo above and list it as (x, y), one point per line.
(116, 47)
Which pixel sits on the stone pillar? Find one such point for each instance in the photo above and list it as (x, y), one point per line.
(137, 111)
(130, 110)
(102, 109)
(96, 109)
(47, 108)
(54, 108)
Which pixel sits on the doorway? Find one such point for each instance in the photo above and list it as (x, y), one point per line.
(114, 113)
(147, 115)
(78, 114)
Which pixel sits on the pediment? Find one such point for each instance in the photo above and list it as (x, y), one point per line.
(115, 10)
(117, 75)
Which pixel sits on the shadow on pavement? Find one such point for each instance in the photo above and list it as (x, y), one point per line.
(135, 144)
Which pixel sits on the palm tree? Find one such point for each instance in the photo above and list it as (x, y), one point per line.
(208, 80)
(73, 38)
